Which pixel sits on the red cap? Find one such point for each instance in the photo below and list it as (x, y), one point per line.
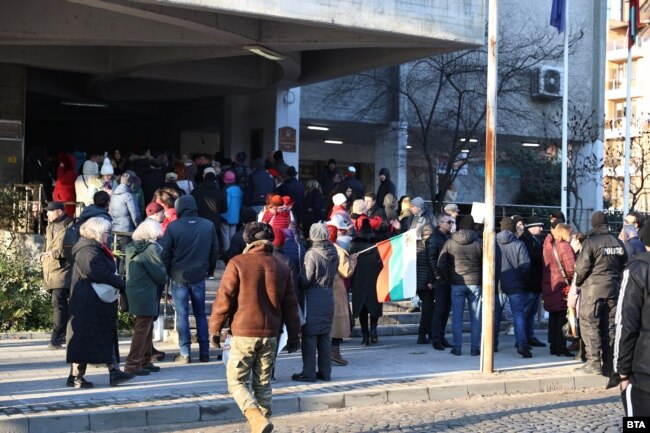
(153, 208)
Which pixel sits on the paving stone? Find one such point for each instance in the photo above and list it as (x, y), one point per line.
(118, 418)
(365, 398)
(321, 402)
(72, 422)
(173, 414)
(408, 394)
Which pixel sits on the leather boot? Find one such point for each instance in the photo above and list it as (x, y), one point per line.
(258, 422)
(373, 335)
(336, 356)
(365, 337)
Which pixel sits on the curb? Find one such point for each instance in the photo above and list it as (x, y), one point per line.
(227, 411)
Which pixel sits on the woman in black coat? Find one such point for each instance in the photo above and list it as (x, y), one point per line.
(364, 283)
(92, 326)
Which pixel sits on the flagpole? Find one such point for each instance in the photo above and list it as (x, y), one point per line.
(565, 113)
(488, 292)
(628, 115)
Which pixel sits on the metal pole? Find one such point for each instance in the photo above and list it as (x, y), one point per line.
(628, 116)
(565, 113)
(487, 343)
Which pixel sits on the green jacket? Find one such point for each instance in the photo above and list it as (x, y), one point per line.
(145, 273)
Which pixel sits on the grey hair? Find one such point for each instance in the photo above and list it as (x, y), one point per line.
(629, 231)
(94, 227)
(149, 230)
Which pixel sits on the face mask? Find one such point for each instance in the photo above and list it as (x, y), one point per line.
(344, 241)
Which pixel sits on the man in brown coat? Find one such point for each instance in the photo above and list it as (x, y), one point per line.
(257, 295)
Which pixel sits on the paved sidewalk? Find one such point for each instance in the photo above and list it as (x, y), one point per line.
(34, 398)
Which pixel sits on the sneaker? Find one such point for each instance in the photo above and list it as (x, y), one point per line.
(118, 377)
(182, 359)
(204, 358)
(151, 367)
(78, 382)
(455, 352)
(524, 351)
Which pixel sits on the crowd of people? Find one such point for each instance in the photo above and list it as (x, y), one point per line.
(294, 257)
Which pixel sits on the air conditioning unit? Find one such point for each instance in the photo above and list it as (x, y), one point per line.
(546, 82)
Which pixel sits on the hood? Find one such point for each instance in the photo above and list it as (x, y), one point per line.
(464, 237)
(121, 189)
(185, 206)
(94, 211)
(90, 168)
(385, 172)
(325, 249)
(505, 237)
(136, 247)
(66, 161)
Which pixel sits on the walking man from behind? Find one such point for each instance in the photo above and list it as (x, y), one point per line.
(189, 252)
(257, 296)
(57, 271)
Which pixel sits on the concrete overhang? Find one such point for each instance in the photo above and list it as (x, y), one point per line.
(154, 49)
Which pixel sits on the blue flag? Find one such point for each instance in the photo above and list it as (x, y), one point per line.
(558, 19)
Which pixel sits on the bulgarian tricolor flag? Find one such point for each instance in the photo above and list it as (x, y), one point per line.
(633, 24)
(397, 280)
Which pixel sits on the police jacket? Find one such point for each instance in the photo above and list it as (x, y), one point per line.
(632, 345)
(600, 263)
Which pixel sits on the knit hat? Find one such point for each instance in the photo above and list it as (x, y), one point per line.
(466, 223)
(286, 200)
(318, 232)
(507, 223)
(153, 208)
(339, 199)
(417, 202)
(257, 231)
(171, 176)
(209, 170)
(54, 205)
(351, 169)
(534, 221)
(228, 177)
(241, 157)
(107, 168)
(359, 207)
(598, 219)
(276, 200)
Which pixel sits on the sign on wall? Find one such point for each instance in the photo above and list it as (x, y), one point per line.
(287, 139)
(11, 130)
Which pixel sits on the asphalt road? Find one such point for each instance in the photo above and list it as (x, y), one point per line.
(591, 410)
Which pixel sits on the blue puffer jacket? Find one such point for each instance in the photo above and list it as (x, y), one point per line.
(234, 198)
(512, 263)
(123, 209)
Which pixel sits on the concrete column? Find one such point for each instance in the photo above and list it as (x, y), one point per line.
(287, 113)
(390, 152)
(12, 108)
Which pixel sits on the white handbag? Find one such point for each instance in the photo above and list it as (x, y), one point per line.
(106, 292)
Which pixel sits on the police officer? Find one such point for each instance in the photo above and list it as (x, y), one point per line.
(598, 272)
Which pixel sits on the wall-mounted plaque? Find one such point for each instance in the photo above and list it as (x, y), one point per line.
(287, 139)
(11, 130)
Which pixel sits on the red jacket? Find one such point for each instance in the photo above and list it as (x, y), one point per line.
(64, 187)
(553, 283)
(278, 221)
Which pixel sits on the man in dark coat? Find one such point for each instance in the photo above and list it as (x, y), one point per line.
(260, 183)
(57, 271)
(531, 238)
(423, 287)
(327, 178)
(210, 200)
(512, 270)
(632, 346)
(256, 295)
(633, 245)
(385, 185)
(598, 273)
(189, 252)
(375, 210)
(441, 288)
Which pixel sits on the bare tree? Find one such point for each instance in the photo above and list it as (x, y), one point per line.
(445, 97)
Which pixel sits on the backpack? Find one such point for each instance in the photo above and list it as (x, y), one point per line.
(70, 238)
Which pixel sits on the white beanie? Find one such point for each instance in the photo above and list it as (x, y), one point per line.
(107, 168)
(339, 199)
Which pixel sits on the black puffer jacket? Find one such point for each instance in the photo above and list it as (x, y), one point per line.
(600, 263)
(422, 273)
(632, 345)
(536, 254)
(434, 244)
(461, 259)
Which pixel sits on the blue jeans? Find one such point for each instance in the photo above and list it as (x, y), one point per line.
(517, 303)
(183, 293)
(531, 308)
(473, 295)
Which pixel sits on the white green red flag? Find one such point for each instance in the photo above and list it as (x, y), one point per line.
(397, 279)
(633, 24)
